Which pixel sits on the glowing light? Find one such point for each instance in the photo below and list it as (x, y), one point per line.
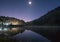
(15, 23)
(6, 23)
(5, 29)
(0, 29)
(14, 29)
(30, 2)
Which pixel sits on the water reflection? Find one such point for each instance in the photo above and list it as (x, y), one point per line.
(30, 36)
(11, 30)
(22, 35)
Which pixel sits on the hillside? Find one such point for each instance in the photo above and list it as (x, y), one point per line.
(52, 18)
(11, 20)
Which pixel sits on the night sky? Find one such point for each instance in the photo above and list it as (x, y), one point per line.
(22, 10)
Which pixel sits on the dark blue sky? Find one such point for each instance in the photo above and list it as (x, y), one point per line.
(22, 10)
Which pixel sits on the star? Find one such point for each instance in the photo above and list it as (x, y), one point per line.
(30, 2)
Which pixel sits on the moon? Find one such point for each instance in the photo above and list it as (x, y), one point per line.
(30, 2)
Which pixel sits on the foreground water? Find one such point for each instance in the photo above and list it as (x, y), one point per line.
(30, 36)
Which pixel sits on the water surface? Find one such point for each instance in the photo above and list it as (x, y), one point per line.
(30, 36)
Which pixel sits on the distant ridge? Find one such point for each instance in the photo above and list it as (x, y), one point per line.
(11, 20)
(52, 18)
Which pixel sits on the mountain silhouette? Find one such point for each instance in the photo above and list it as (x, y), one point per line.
(52, 18)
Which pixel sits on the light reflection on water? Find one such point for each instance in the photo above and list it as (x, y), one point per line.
(30, 36)
(11, 30)
(25, 35)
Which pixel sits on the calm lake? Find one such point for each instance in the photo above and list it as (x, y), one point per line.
(31, 34)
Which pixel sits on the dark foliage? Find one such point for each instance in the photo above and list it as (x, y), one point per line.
(51, 18)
